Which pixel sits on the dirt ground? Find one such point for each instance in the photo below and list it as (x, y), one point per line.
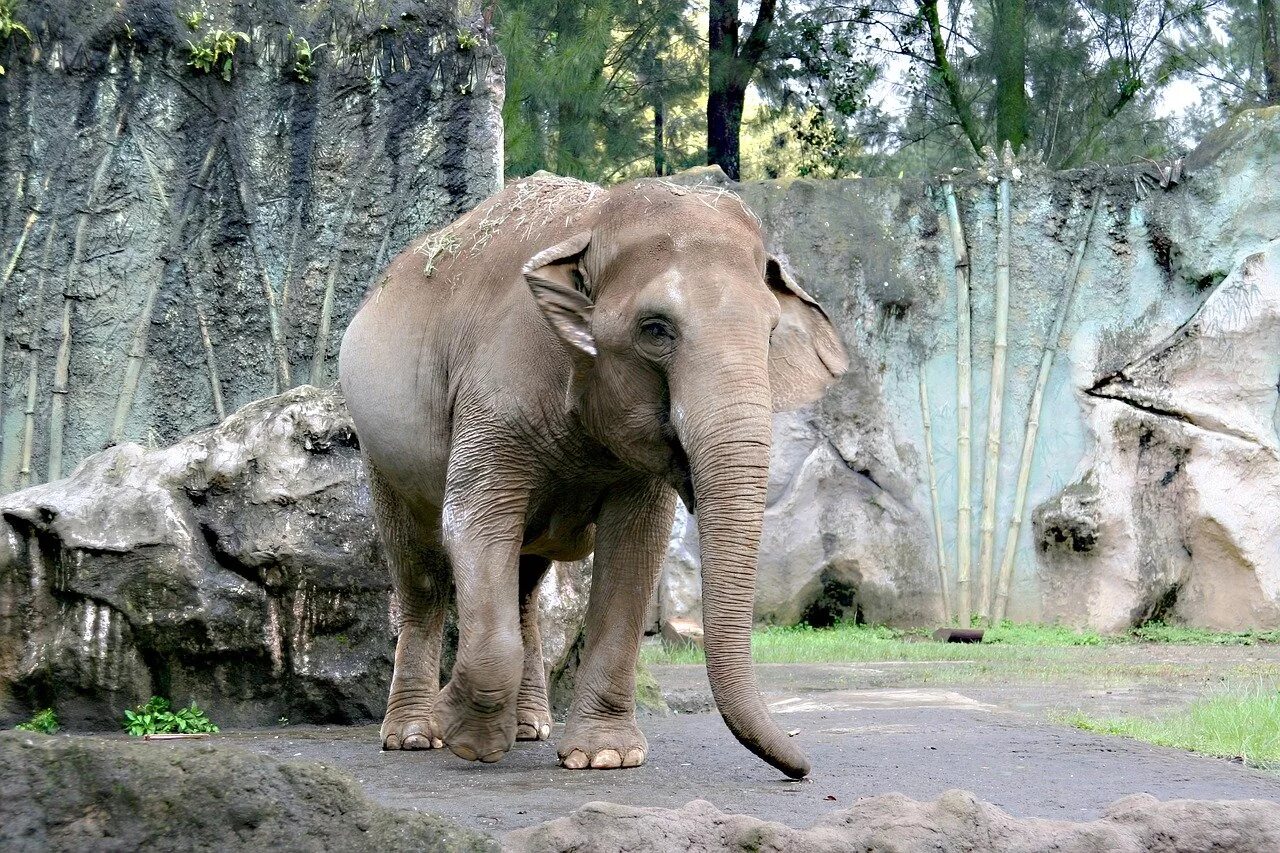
(981, 734)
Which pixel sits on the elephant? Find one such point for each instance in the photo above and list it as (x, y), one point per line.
(541, 380)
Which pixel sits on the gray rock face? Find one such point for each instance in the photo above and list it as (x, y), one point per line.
(75, 794)
(1113, 523)
(238, 568)
(956, 822)
(174, 246)
(1173, 518)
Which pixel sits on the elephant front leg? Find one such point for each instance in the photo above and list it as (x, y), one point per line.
(476, 711)
(631, 535)
(533, 707)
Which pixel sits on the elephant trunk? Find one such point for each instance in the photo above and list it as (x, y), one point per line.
(728, 450)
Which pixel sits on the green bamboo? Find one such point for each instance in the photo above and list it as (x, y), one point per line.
(995, 400)
(1047, 355)
(964, 407)
(62, 388)
(138, 346)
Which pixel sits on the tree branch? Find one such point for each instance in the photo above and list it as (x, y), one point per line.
(950, 82)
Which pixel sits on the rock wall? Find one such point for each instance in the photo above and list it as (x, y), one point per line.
(1156, 454)
(174, 245)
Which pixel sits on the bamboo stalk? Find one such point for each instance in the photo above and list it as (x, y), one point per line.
(32, 217)
(61, 378)
(964, 407)
(138, 346)
(58, 408)
(33, 369)
(215, 383)
(933, 494)
(995, 402)
(321, 348)
(1047, 355)
(281, 379)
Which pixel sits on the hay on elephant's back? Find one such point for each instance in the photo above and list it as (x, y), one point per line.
(538, 202)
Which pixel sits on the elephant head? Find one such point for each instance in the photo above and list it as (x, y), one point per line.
(686, 334)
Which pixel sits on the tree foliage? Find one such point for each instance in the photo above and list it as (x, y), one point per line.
(608, 89)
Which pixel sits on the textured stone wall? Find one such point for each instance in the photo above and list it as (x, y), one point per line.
(173, 245)
(1109, 540)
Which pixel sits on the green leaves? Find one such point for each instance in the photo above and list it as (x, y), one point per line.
(10, 25)
(215, 52)
(155, 718)
(45, 721)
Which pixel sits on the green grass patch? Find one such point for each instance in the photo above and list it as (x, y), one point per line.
(1006, 641)
(42, 721)
(1244, 725)
(1158, 632)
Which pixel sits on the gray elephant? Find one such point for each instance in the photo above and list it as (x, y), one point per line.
(541, 380)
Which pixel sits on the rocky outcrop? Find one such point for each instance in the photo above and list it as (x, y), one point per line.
(849, 528)
(175, 245)
(239, 568)
(893, 823)
(1171, 518)
(75, 794)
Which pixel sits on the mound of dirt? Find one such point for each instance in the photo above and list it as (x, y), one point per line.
(957, 821)
(75, 794)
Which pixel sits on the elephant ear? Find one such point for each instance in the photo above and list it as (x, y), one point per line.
(556, 280)
(805, 351)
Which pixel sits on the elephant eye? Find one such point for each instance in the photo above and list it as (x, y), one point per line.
(657, 329)
(657, 336)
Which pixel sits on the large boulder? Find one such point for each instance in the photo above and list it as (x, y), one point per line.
(239, 568)
(957, 821)
(1172, 517)
(75, 794)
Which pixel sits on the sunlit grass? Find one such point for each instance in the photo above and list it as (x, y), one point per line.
(1241, 724)
(1004, 642)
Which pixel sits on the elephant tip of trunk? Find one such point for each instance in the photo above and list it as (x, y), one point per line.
(782, 754)
(795, 766)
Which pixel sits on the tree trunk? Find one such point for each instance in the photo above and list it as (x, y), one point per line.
(1010, 45)
(659, 138)
(730, 70)
(1269, 27)
(577, 105)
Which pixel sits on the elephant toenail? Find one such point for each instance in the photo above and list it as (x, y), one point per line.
(634, 757)
(544, 732)
(464, 752)
(490, 757)
(415, 741)
(606, 759)
(576, 760)
(392, 742)
(436, 743)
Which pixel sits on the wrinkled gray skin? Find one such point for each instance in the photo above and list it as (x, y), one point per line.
(541, 381)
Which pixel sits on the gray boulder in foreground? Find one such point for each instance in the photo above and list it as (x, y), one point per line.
(893, 823)
(76, 794)
(237, 568)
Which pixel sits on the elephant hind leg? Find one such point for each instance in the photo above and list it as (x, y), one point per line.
(420, 578)
(533, 707)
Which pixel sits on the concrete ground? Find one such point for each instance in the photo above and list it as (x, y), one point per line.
(980, 734)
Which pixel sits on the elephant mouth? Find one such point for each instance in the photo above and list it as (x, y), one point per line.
(681, 477)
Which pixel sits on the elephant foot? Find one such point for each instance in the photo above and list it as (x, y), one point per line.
(411, 729)
(533, 725)
(602, 745)
(474, 734)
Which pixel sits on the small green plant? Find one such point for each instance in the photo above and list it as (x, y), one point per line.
(193, 19)
(9, 24)
(304, 59)
(215, 52)
(467, 40)
(156, 718)
(43, 721)
(282, 722)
